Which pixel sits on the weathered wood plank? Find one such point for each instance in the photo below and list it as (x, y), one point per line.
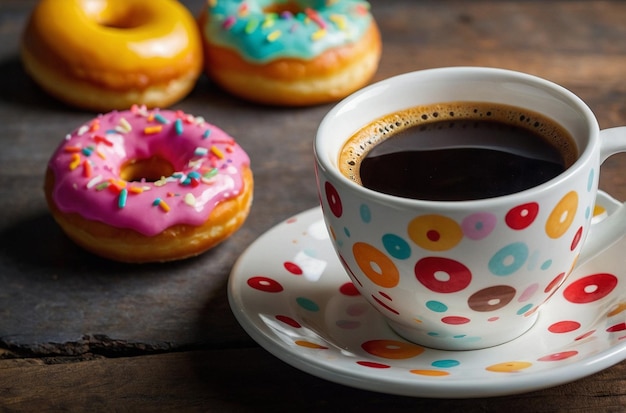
(253, 380)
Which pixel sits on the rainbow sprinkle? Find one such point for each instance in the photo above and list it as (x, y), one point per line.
(339, 20)
(210, 174)
(161, 204)
(124, 126)
(121, 200)
(178, 127)
(251, 26)
(102, 186)
(217, 152)
(151, 130)
(159, 118)
(315, 17)
(200, 151)
(72, 149)
(102, 139)
(317, 35)
(94, 181)
(87, 169)
(229, 22)
(75, 161)
(190, 199)
(273, 36)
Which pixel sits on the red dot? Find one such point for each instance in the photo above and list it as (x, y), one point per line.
(559, 356)
(522, 216)
(386, 296)
(564, 327)
(616, 327)
(288, 320)
(555, 283)
(590, 288)
(576, 240)
(265, 284)
(455, 320)
(293, 268)
(427, 268)
(385, 306)
(433, 235)
(334, 201)
(587, 334)
(349, 289)
(373, 364)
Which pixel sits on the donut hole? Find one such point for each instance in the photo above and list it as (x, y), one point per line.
(146, 170)
(116, 15)
(283, 7)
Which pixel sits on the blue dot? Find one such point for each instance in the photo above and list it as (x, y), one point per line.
(437, 306)
(433, 334)
(310, 252)
(524, 309)
(590, 180)
(533, 260)
(396, 246)
(307, 304)
(445, 363)
(546, 264)
(587, 212)
(509, 259)
(346, 231)
(366, 215)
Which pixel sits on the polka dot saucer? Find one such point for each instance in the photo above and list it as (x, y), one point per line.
(290, 293)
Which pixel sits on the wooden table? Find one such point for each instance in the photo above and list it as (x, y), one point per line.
(80, 333)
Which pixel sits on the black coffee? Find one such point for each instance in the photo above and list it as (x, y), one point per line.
(458, 151)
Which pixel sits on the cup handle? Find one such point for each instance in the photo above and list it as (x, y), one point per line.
(608, 231)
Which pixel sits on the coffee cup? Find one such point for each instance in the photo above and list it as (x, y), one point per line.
(455, 269)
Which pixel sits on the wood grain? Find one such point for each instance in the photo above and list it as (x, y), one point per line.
(79, 333)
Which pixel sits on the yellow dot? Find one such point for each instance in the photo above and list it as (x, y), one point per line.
(376, 265)
(598, 210)
(435, 232)
(562, 215)
(618, 309)
(431, 373)
(509, 366)
(308, 344)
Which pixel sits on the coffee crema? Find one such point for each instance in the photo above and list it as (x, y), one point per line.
(457, 151)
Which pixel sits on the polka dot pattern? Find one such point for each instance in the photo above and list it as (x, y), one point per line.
(330, 321)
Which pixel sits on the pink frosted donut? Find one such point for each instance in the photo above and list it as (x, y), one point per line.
(149, 185)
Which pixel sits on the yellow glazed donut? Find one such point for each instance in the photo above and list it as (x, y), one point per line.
(292, 53)
(110, 54)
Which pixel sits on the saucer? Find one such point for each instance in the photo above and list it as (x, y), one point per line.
(290, 293)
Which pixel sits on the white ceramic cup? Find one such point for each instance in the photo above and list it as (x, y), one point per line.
(480, 282)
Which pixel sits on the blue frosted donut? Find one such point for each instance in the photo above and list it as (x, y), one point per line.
(290, 52)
